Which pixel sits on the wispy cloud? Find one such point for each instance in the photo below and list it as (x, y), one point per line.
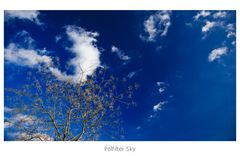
(25, 57)
(7, 109)
(156, 24)
(217, 53)
(22, 52)
(230, 29)
(161, 86)
(20, 119)
(24, 39)
(18, 123)
(131, 74)
(215, 21)
(138, 128)
(220, 14)
(121, 55)
(58, 38)
(212, 20)
(23, 136)
(202, 14)
(208, 25)
(31, 15)
(158, 106)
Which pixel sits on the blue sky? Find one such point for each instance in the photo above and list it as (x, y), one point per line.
(184, 62)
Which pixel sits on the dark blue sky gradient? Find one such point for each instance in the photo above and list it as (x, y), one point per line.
(201, 95)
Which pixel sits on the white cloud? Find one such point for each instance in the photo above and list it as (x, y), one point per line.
(20, 119)
(151, 116)
(218, 21)
(24, 38)
(162, 86)
(23, 53)
(62, 76)
(231, 34)
(138, 128)
(189, 24)
(114, 49)
(209, 25)
(120, 53)
(25, 57)
(23, 136)
(149, 27)
(24, 118)
(7, 124)
(58, 38)
(161, 90)
(220, 14)
(157, 24)
(160, 83)
(217, 53)
(31, 15)
(7, 109)
(87, 55)
(131, 74)
(202, 14)
(35, 137)
(230, 29)
(158, 107)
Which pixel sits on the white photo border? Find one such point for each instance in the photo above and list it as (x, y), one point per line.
(165, 148)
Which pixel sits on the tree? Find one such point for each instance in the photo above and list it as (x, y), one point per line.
(49, 109)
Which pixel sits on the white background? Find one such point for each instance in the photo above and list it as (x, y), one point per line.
(164, 148)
